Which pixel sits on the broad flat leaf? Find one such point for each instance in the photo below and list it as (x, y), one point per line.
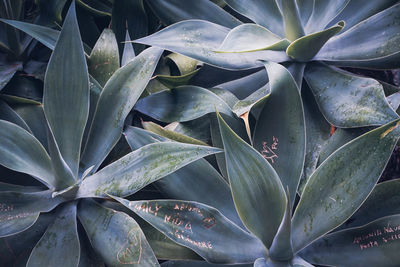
(66, 92)
(291, 20)
(323, 13)
(171, 11)
(199, 39)
(191, 182)
(306, 47)
(264, 13)
(104, 58)
(116, 101)
(115, 236)
(19, 188)
(347, 100)
(88, 256)
(297, 71)
(128, 52)
(341, 184)
(47, 36)
(225, 95)
(374, 244)
(60, 243)
(20, 210)
(8, 114)
(201, 228)
(175, 81)
(141, 167)
(306, 8)
(356, 43)
(7, 72)
(279, 134)
(183, 64)
(183, 103)
(257, 191)
(20, 151)
(394, 100)
(383, 201)
(251, 37)
(197, 128)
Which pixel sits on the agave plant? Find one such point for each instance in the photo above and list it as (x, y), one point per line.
(71, 180)
(264, 185)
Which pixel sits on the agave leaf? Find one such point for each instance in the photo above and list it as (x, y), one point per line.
(347, 100)
(115, 236)
(291, 20)
(191, 182)
(364, 10)
(140, 168)
(66, 92)
(279, 134)
(199, 39)
(199, 264)
(183, 64)
(383, 201)
(250, 38)
(264, 13)
(347, 47)
(20, 210)
(257, 191)
(374, 244)
(180, 104)
(244, 106)
(172, 11)
(225, 95)
(22, 152)
(8, 114)
(323, 13)
(128, 52)
(306, 8)
(19, 188)
(201, 228)
(116, 101)
(306, 47)
(60, 243)
(297, 71)
(394, 100)
(8, 71)
(95, 7)
(175, 81)
(88, 256)
(341, 184)
(104, 58)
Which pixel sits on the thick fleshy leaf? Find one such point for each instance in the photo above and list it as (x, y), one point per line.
(20, 210)
(175, 81)
(374, 244)
(201, 228)
(66, 92)
(180, 104)
(199, 39)
(115, 236)
(323, 13)
(141, 167)
(180, 64)
(279, 134)
(128, 52)
(306, 47)
(60, 243)
(356, 43)
(7, 72)
(191, 182)
(347, 100)
(8, 114)
(250, 38)
(383, 201)
(116, 101)
(257, 191)
(264, 13)
(259, 96)
(291, 20)
(22, 152)
(394, 100)
(306, 8)
(199, 264)
(104, 58)
(341, 184)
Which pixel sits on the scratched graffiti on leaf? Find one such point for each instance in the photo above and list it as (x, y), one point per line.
(268, 152)
(131, 251)
(378, 237)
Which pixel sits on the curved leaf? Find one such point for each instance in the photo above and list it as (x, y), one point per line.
(374, 244)
(306, 47)
(323, 13)
(60, 243)
(341, 184)
(181, 104)
(199, 39)
(115, 236)
(199, 227)
(7, 71)
(22, 152)
(66, 92)
(140, 168)
(306, 8)
(8, 114)
(257, 191)
(279, 134)
(347, 100)
(116, 101)
(291, 20)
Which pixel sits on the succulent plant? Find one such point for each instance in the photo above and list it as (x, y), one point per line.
(71, 180)
(264, 186)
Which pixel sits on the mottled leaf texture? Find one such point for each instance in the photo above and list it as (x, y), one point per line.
(341, 184)
(257, 191)
(115, 236)
(201, 228)
(66, 92)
